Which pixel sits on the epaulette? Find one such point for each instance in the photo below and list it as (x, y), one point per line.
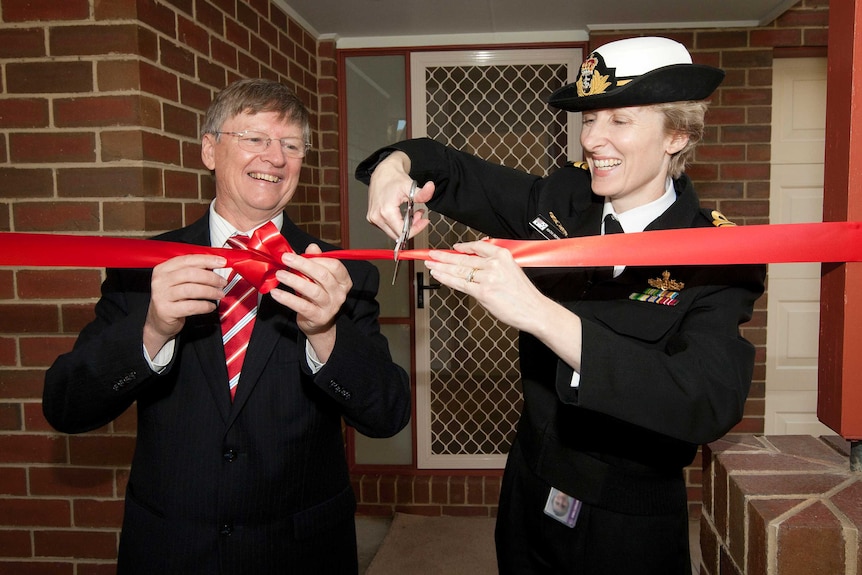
(719, 220)
(581, 165)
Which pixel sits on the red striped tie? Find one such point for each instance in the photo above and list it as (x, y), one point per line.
(237, 311)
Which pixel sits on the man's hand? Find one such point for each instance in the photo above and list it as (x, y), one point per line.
(317, 298)
(181, 287)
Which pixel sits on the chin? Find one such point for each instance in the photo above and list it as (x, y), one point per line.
(604, 193)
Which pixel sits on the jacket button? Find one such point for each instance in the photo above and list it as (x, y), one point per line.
(128, 378)
(229, 455)
(226, 529)
(338, 389)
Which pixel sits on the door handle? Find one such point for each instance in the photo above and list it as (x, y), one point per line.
(421, 287)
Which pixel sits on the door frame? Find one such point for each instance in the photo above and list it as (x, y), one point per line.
(419, 61)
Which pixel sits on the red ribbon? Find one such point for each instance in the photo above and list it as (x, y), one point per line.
(257, 264)
(776, 243)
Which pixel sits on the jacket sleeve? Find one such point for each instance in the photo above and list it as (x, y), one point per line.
(372, 391)
(694, 385)
(491, 198)
(106, 370)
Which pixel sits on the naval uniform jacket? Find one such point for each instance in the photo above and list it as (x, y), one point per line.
(242, 487)
(656, 381)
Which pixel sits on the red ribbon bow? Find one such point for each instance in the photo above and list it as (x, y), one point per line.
(262, 259)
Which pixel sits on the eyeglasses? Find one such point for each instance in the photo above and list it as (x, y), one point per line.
(258, 142)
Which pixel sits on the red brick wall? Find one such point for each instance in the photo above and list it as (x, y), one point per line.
(99, 119)
(731, 173)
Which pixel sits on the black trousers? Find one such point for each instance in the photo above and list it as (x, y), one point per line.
(601, 543)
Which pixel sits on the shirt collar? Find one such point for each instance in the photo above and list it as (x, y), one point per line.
(637, 219)
(221, 229)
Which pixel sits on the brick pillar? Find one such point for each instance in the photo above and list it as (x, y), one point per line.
(780, 505)
(839, 392)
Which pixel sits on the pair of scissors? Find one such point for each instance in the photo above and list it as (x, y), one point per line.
(401, 242)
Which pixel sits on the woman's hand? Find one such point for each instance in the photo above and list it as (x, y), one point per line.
(490, 274)
(389, 188)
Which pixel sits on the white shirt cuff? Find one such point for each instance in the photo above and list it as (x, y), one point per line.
(313, 362)
(163, 358)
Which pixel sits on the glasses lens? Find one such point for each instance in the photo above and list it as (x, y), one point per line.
(293, 147)
(258, 142)
(253, 141)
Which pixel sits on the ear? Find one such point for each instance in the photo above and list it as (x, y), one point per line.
(676, 142)
(208, 151)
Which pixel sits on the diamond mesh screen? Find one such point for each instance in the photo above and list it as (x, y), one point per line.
(498, 113)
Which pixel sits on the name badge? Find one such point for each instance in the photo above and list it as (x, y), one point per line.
(547, 230)
(563, 508)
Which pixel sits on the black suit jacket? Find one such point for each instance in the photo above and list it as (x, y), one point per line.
(656, 380)
(251, 486)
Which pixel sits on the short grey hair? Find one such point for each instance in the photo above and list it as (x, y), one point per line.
(254, 96)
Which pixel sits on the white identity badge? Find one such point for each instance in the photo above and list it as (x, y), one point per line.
(564, 508)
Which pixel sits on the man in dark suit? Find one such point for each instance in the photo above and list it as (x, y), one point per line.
(625, 370)
(256, 482)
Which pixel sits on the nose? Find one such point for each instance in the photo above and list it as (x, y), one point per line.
(274, 154)
(596, 132)
(592, 137)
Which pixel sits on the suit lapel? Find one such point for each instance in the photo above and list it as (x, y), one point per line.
(272, 323)
(203, 333)
(586, 223)
(207, 347)
(556, 282)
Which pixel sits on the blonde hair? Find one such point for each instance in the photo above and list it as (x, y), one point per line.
(685, 118)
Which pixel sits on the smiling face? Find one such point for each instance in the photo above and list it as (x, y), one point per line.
(560, 504)
(628, 151)
(252, 188)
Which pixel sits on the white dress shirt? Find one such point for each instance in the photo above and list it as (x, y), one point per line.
(220, 231)
(635, 220)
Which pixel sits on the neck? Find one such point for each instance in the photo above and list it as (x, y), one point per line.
(243, 221)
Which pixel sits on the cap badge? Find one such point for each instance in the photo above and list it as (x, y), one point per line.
(590, 81)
